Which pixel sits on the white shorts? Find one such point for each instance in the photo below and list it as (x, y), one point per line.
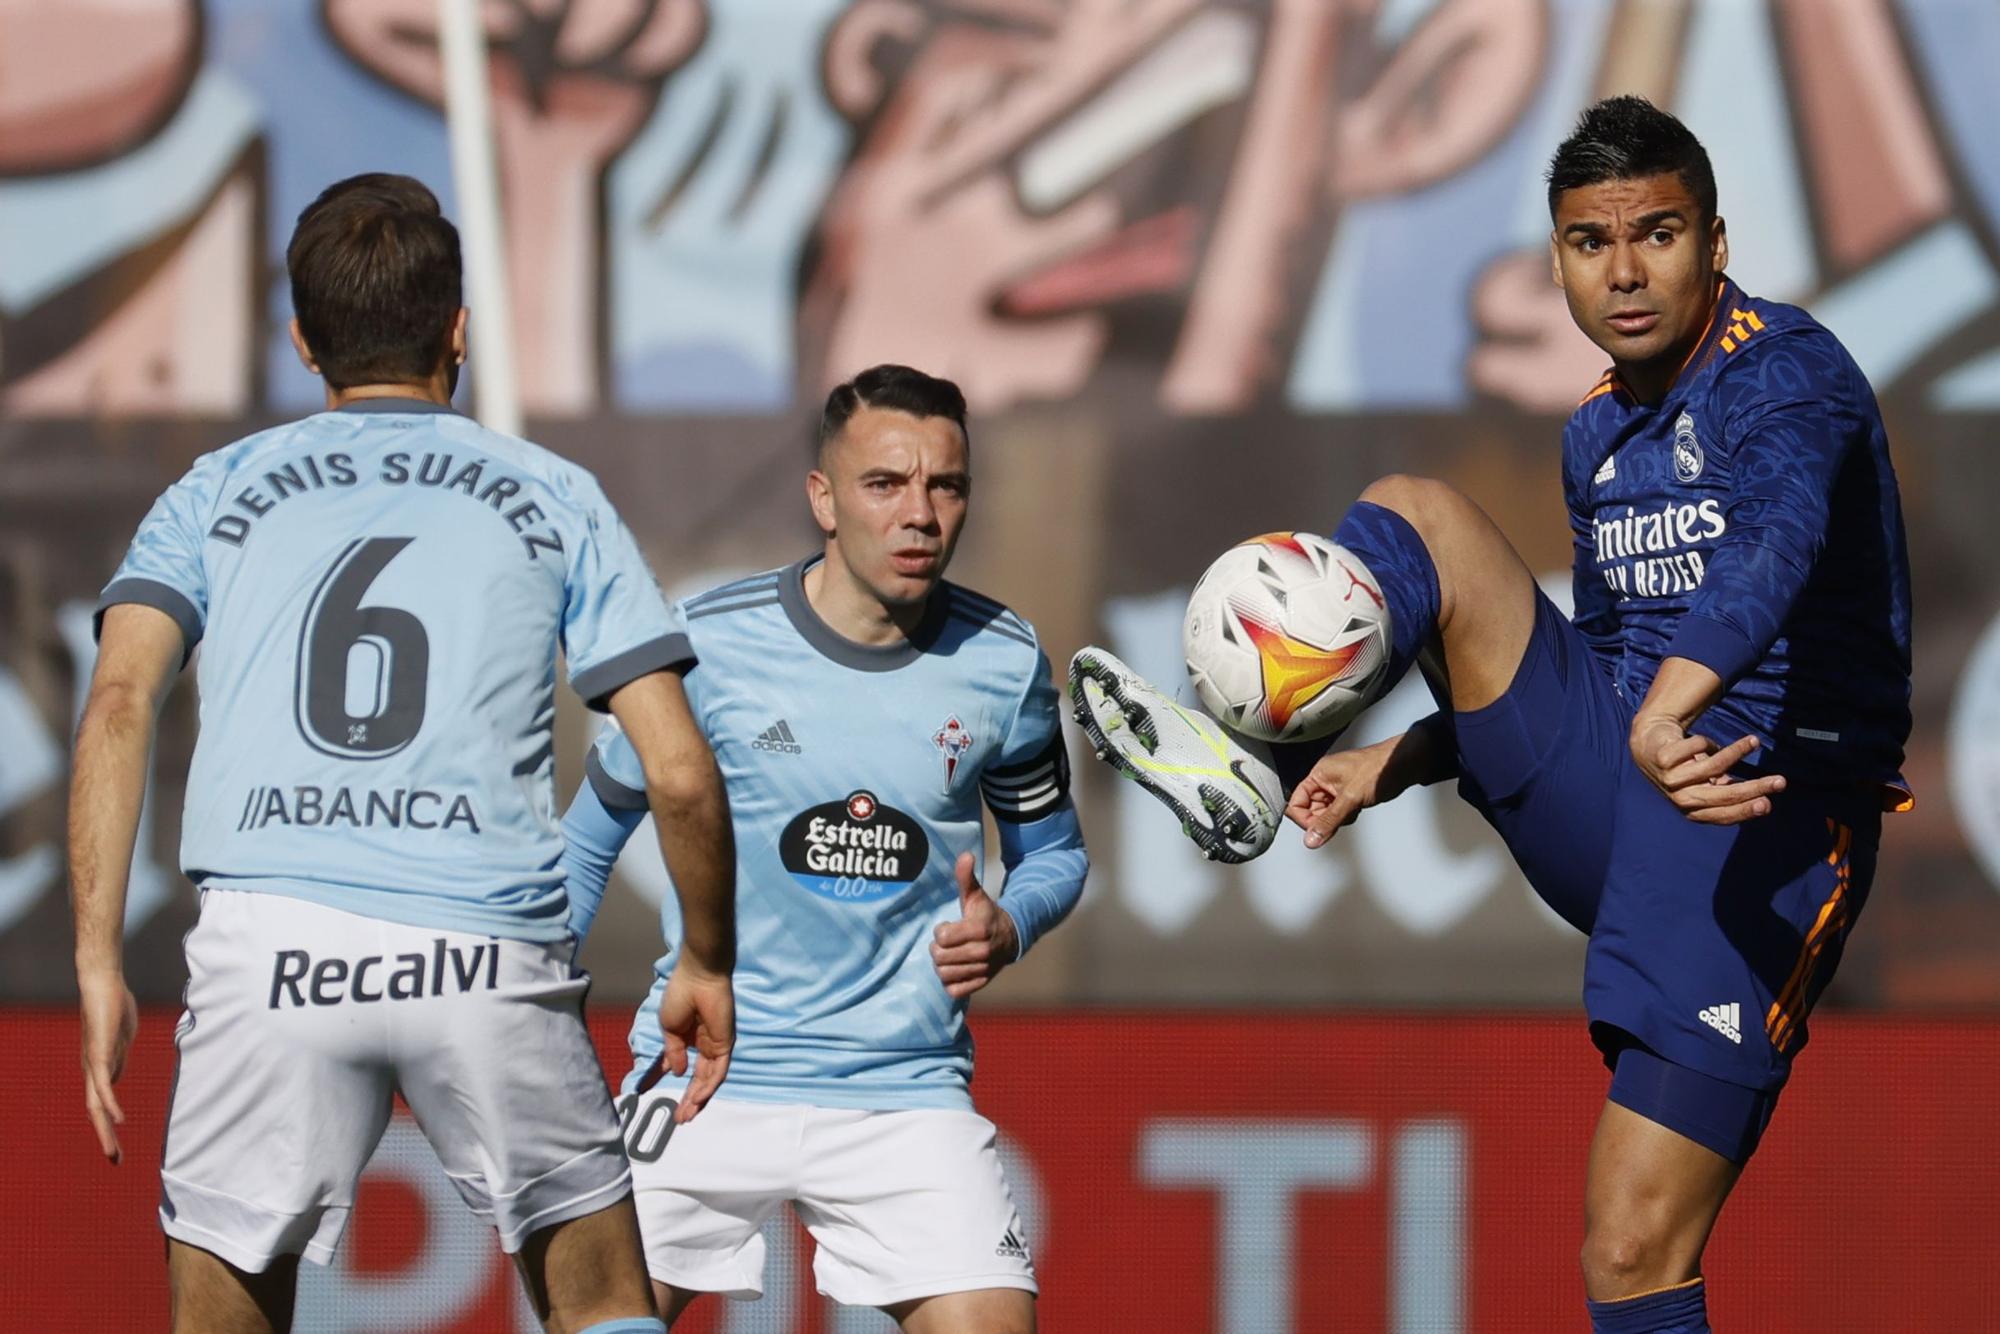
(901, 1205)
(303, 1021)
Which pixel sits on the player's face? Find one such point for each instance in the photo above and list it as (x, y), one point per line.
(1637, 261)
(891, 497)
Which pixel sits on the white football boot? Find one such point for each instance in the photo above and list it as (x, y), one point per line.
(1228, 800)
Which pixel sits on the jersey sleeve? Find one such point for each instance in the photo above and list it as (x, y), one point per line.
(163, 568)
(616, 623)
(1027, 789)
(1046, 866)
(1030, 777)
(612, 770)
(1789, 430)
(594, 833)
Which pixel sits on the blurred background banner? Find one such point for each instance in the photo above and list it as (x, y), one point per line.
(1203, 269)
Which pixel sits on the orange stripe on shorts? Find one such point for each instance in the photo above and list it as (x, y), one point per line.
(1786, 1012)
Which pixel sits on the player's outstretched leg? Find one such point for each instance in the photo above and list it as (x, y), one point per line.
(1228, 800)
(1453, 584)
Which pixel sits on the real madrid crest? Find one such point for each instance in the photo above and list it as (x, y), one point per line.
(1687, 449)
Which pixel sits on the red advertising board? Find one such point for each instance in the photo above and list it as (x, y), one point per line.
(1238, 1172)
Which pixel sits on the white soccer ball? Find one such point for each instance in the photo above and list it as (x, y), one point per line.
(1286, 637)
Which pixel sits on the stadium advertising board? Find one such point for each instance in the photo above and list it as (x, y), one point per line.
(1239, 1173)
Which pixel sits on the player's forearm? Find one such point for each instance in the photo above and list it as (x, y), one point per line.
(1046, 869)
(691, 812)
(1426, 754)
(1779, 512)
(114, 745)
(1746, 596)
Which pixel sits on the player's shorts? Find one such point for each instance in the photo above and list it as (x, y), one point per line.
(1543, 764)
(901, 1204)
(1728, 1119)
(301, 1024)
(1708, 944)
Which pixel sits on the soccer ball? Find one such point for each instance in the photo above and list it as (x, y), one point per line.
(1286, 637)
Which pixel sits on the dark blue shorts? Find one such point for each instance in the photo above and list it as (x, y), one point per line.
(1708, 944)
(1725, 1118)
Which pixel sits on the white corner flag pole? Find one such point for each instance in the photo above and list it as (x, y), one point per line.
(469, 117)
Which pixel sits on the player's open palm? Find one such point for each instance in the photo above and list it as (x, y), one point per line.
(698, 1010)
(110, 1019)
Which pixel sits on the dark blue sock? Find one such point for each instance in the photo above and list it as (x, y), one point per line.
(1681, 1309)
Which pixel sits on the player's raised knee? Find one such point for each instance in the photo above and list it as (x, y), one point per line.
(1424, 501)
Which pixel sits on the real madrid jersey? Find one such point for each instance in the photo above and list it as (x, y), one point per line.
(1750, 521)
(856, 777)
(379, 594)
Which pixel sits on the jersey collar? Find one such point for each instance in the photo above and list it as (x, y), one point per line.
(830, 643)
(395, 405)
(1726, 292)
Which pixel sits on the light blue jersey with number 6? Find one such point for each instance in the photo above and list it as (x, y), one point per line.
(380, 593)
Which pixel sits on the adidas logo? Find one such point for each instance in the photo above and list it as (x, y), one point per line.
(1726, 1020)
(1606, 471)
(778, 736)
(1012, 1246)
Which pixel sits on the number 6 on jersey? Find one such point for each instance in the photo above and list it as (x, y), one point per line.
(363, 672)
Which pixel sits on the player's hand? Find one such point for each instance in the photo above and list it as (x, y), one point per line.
(1341, 786)
(970, 952)
(698, 1008)
(1692, 773)
(110, 1019)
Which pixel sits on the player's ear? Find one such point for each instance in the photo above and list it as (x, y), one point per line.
(1556, 261)
(1718, 243)
(819, 494)
(306, 357)
(458, 337)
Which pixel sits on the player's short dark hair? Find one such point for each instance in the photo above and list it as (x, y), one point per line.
(1623, 138)
(376, 281)
(899, 388)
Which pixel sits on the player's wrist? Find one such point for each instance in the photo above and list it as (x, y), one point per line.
(1656, 725)
(1008, 942)
(708, 933)
(1651, 734)
(97, 966)
(705, 965)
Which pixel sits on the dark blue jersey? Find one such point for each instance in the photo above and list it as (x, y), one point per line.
(1750, 521)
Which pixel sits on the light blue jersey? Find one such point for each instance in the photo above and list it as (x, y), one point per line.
(856, 777)
(379, 593)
